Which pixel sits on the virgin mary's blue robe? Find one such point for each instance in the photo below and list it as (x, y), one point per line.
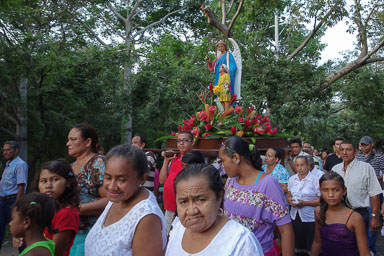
(231, 71)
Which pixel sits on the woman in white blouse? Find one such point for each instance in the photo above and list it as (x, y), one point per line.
(303, 196)
(132, 222)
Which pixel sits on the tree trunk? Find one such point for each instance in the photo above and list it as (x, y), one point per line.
(127, 118)
(23, 120)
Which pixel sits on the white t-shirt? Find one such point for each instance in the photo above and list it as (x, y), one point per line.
(232, 240)
(116, 239)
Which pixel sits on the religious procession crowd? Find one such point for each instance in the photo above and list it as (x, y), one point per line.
(284, 202)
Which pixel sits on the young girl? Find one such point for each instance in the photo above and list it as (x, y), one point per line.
(223, 87)
(31, 214)
(338, 229)
(57, 180)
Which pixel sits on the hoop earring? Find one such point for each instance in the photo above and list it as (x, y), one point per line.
(221, 212)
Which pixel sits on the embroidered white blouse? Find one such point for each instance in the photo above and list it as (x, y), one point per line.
(116, 239)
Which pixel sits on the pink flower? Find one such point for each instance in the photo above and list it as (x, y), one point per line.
(211, 89)
(179, 128)
(258, 130)
(233, 130)
(274, 131)
(238, 110)
(212, 109)
(255, 121)
(208, 127)
(206, 135)
(240, 119)
(247, 124)
(173, 134)
(195, 132)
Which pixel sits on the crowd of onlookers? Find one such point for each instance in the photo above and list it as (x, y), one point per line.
(293, 201)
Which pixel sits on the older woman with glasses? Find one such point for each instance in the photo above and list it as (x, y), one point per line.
(171, 167)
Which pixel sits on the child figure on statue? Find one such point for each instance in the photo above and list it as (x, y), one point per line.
(222, 89)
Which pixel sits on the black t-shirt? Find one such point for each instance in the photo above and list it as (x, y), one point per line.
(331, 161)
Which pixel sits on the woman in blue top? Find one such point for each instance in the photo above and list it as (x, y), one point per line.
(276, 170)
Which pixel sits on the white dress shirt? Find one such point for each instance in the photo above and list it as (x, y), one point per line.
(361, 182)
(306, 189)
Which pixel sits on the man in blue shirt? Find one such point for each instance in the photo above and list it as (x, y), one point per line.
(13, 183)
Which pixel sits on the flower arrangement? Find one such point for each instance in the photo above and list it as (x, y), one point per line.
(211, 123)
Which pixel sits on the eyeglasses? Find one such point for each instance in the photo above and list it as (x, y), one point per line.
(183, 141)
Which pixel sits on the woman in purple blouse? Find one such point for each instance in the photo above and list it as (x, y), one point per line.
(253, 198)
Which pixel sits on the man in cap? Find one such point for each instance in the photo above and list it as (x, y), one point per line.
(367, 155)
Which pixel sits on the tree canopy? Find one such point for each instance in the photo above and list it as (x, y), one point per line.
(139, 66)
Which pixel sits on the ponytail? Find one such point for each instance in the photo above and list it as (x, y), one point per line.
(246, 150)
(40, 208)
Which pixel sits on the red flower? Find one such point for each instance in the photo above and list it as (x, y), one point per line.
(195, 132)
(238, 110)
(267, 129)
(233, 98)
(212, 109)
(179, 128)
(259, 116)
(173, 134)
(250, 109)
(202, 115)
(240, 119)
(256, 121)
(206, 135)
(233, 130)
(264, 120)
(208, 127)
(247, 124)
(258, 130)
(211, 89)
(202, 98)
(274, 131)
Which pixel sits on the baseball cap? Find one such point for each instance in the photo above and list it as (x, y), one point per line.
(366, 140)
